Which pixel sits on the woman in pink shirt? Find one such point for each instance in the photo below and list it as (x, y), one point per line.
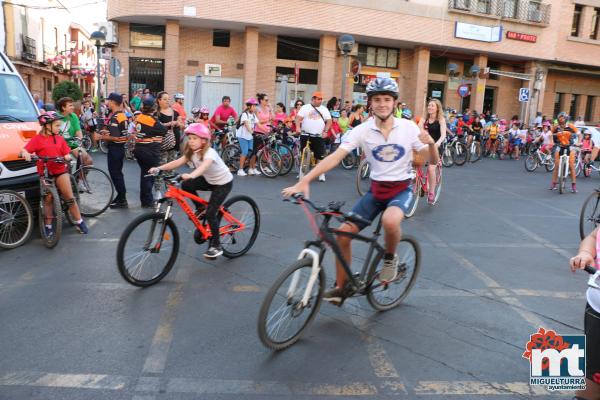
(297, 106)
(280, 114)
(264, 114)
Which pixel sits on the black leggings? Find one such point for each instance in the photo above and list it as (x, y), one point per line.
(219, 193)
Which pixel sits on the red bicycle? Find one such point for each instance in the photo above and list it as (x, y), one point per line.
(149, 245)
(421, 185)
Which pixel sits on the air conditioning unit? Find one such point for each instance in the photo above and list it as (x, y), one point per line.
(111, 31)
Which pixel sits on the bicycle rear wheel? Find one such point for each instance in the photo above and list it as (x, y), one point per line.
(16, 219)
(269, 163)
(231, 157)
(147, 249)
(95, 190)
(384, 296)
(287, 159)
(235, 240)
(363, 182)
(50, 213)
(589, 217)
(283, 317)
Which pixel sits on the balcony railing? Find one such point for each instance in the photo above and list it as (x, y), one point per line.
(520, 10)
(29, 48)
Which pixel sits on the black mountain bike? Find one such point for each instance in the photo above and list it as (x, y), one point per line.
(294, 299)
(589, 217)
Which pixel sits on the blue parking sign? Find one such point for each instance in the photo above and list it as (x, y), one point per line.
(523, 94)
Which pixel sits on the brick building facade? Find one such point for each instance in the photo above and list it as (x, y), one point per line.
(429, 46)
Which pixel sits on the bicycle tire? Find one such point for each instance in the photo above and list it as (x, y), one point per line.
(86, 142)
(412, 243)
(477, 153)
(447, 160)
(550, 165)
(561, 178)
(103, 146)
(70, 218)
(51, 241)
(531, 163)
(313, 307)
(415, 198)
(16, 220)
(438, 186)
(593, 217)
(363, 181)
(578, 167)
(98, 191)
(269, 163)
(349, 161)
(587, 171)
(155, 218)
(459, 154)
(231, 157)
(305, 162)
(227, 239)
(287, 158)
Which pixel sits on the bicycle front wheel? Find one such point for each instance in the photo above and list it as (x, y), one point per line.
(86, 142)
(438, 184)
(589, 217)
(16, 219)
(305, 162)
(50, 213)
(269, 163)
(447, 160)
(95, 190)
(239, 228)
(349, 161)
(287, 159)
(384, 296)
(283, 316)
(531, 162)
(363, 181)
(459, 155)
(414, 201)
(103, 146)
(147, 249)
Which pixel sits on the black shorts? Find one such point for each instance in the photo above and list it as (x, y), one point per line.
(591, 326)
(317, 145)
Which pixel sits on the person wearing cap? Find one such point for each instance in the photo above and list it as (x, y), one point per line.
(149, 134)
(115, 136)
(178, 105)
(312, 123)
(210, 174)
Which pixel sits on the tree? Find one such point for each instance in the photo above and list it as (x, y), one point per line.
(67, 89)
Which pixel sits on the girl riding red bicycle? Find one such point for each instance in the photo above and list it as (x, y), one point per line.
(210, 174)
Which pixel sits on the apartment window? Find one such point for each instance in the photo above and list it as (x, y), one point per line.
(141, 35)
(534, 11)
(576, 20)
(595, 24)
(484, 6)
(573, 106)
(589, 108)
(307, 76)
(378, 56)
(221, 38)
(510, 9)
(438, 65)
(558, 98)
(300, 49)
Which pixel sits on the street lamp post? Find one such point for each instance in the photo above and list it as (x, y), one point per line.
(100, 38)
(345, 44)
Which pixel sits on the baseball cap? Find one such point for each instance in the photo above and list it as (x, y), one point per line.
(149, 101)
(318, 95)
(116, 97)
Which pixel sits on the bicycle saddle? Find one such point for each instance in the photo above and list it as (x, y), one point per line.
(336, 205)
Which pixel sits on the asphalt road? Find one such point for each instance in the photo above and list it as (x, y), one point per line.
(494, 270)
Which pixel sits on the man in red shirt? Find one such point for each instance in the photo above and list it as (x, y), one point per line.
(222, 114)
(178, 105)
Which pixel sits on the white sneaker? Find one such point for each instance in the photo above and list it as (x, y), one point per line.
(322, 178)
(389, 270)
(254, 171)
(241, 172)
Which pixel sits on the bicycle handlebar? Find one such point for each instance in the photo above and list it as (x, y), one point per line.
(176, 179)
(61, 160)
(333, 206)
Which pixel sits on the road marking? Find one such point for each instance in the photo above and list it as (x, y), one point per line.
(100, 240)
(544, 203)
(513, 303)
(246, 289)
(80, 381)
(417, 292)
(264, 388)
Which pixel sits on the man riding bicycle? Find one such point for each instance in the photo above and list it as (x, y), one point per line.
(388, 143)
(565, 135)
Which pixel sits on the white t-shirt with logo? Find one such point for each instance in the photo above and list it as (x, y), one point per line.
(312, 123)
(217, 172)
(243, 132)
(390, 160)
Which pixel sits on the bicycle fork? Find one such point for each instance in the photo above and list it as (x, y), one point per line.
(314, 273)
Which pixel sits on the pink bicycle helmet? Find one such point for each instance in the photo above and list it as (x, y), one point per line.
(49, 117)
(251, 101)
(204, 110)
(546, 123)
(199, 130)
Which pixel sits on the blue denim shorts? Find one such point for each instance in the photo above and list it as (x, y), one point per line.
(369, 208)
(245, 146)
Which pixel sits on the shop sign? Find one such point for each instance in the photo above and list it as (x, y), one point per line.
(478, 32)
(212, 69)
(521, 36)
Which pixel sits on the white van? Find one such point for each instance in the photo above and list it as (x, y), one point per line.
(18, 124)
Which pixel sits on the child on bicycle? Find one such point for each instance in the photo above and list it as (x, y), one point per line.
(49, 143)
(210, 174)
(514, 140)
